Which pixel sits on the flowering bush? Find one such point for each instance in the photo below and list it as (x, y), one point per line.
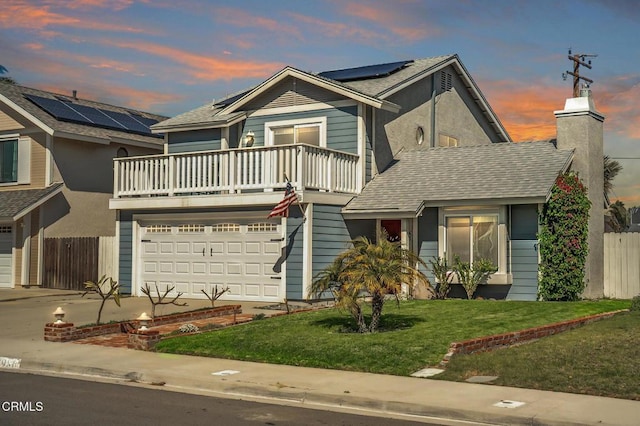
(563, 240)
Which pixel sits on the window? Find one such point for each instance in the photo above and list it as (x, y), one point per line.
(472, 237)
(9, 161)
(447, 141)
(305, 131)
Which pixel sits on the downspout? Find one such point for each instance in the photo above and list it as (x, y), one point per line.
(432, 137)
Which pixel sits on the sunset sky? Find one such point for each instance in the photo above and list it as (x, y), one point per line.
(169, 56)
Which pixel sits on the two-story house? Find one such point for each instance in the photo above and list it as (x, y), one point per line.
(410, 147)
(56, 172)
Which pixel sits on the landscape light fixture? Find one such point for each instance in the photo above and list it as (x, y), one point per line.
(59, 314)
(144, 321)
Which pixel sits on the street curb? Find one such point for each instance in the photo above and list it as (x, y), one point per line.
(283, 395)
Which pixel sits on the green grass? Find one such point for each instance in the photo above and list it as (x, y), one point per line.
(602, 358)
(415, 335)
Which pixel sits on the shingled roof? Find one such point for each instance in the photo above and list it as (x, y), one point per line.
(14, 204)
(14, 96)
(514, 173)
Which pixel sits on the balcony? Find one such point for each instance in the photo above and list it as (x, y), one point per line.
(232, 171)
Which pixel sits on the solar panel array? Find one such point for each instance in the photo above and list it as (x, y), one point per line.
(361, 73)
(82, 114)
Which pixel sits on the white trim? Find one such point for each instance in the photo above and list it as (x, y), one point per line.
(307, 252)
(224, 138)
(24, 160)
(283, 266)
(136, 267)
(14, 249)
(49, 161)
(302, 108)
(362, 163)
(116, 252)
(40, 247)
(26, 114)
(26, 250)
(321, 122)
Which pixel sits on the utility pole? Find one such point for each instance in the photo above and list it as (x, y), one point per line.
(578, 59)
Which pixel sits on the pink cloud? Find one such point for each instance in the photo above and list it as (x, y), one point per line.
(201, 67)
(391, 17)
(17, 14)
(336, 29)
(243, 19)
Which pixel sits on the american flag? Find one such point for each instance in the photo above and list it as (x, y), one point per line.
(282, 208)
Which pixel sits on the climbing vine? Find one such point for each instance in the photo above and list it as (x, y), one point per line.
(563, 240)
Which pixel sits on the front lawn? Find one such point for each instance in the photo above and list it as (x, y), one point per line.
(415, 335)
(602, 358)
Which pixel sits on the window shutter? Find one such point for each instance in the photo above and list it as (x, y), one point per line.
(24, 159)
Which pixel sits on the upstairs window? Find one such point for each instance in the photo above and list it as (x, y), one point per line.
(447, 141)
(304, 131)
(9, 161)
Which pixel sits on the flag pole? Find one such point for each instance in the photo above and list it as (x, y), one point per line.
(304, 217)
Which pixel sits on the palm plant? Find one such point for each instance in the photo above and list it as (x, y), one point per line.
(611, 170)
(369, 271)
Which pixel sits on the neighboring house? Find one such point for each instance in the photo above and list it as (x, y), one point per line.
(410, 147)
(56, 172)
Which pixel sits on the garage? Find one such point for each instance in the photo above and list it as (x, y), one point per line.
(193, 257)
(6, 243)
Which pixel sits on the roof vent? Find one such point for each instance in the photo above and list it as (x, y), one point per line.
(75, 94)
(446, 81)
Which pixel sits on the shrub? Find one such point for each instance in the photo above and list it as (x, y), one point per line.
(443, 273)
(471, 275)
(635, 304)
(563, 240)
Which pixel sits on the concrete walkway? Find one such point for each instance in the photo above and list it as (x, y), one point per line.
(405, 397)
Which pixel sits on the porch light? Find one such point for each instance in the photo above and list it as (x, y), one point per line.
(144, 321)
(59, 314)
(249, 139)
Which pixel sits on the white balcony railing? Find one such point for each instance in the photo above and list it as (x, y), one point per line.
(236, 170)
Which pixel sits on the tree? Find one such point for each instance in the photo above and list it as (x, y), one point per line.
(112, 290)
(6, 79)
(619, 218)
(369, 271)
(611, 170)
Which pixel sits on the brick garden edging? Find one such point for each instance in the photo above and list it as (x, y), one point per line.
(67, 332)
(498, 341)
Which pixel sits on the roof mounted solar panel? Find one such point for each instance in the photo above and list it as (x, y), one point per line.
(128, 122)
(97, 117)
(144, 120)
(366, 72)
(59, 110)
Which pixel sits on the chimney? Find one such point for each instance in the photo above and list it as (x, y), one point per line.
(580, 127)
(75, 94)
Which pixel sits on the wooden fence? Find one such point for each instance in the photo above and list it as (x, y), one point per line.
(69, 262)
(622, 265)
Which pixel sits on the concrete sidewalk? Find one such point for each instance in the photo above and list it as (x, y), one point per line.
(417, 399)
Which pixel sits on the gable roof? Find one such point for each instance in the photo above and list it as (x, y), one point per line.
(374, 91)
(17, 203)
(506, 173)
(14, 97)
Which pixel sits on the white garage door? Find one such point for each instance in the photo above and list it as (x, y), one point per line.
(6, 242)
(195, 257)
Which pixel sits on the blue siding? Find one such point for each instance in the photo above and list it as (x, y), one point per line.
(295, 239)
(524, 222)
(428, 238)
(342, 128)
(330, 236)
(524, 265)
(125, 259)
(195, 140)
